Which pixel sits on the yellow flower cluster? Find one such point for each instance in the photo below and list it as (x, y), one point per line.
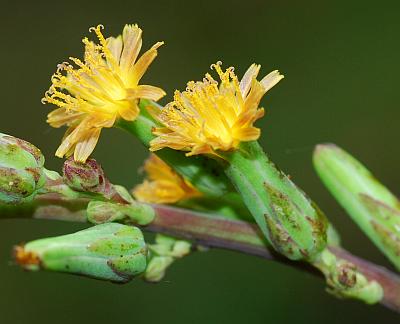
(209, 116)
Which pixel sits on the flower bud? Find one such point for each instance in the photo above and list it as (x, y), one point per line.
(371, 205)
(290, 221)
(86, 177)
(21, 170)
(111, 251)
(89, 177)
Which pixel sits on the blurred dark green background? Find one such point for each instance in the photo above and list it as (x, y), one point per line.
(341, 62)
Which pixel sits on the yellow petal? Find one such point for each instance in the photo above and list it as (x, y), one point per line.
(247, 79)
(75, 135)
(154, 111)
(248, 134)
(253, 98)
(60, 117)
(132, 38)
(249, 117)
(69, 141)
(86, 144)
(114, 44)
(143, 63)
(271, 79)
(146, 92)
(200, 149)
(129, 112)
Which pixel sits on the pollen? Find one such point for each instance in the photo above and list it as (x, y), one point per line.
(163, 185)
(211, 116)
(95, 92)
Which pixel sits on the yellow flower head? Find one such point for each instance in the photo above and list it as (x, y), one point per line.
(100, 89)
(209, 116)
(164, 186)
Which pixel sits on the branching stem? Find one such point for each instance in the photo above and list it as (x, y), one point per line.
(207, 230)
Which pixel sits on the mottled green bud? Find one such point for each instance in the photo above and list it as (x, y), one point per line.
(112, 252)
(21, 170)
(163, 253)
(344, 280)
(372, 206)
(291, 222)
(99, 212)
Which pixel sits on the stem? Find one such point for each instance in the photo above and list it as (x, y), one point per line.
(207, 230)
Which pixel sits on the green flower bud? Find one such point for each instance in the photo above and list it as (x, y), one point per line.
(21, 170)
(372, 206)
(112, 252)
(290, 221)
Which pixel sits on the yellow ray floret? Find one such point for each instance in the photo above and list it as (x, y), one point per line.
(164, 185)
(208, 116)
(100, 89)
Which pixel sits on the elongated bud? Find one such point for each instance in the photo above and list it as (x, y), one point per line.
(371, 205)
(112, 252)
(89, 177)
(21, 170)
(291, 222)
(344, 280)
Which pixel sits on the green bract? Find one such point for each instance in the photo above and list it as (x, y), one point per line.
(111, 251)
(21, 170)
